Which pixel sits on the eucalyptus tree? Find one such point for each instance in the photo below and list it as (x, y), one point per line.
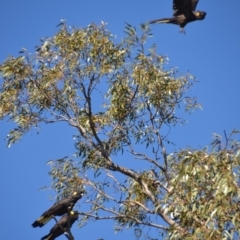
(122, 100)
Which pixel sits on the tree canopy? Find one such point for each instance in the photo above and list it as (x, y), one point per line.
(122, 101)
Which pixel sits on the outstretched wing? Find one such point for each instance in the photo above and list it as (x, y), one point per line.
(184, 7)
(194, 4)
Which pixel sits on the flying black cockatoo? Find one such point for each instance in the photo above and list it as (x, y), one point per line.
(58, 209)
(61, 226)
(184, 12)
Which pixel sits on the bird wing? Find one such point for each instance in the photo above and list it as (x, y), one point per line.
(59, 208)
(183, 7)
(63, 220)
(56, 230)
(194, 4)
(72, 217)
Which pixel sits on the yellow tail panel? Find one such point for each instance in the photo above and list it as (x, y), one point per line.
(44, 220)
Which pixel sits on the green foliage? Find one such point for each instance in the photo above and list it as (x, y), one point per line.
(205, 191)
(62, 76)
(120, 98)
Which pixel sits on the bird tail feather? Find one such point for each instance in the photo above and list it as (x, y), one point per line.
(161, 20)
(41, 221)
(47, 237)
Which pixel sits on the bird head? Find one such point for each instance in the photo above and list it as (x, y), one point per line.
(200, 15)
(73, 215)
(78, 193)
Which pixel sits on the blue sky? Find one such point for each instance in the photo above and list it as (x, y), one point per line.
(210, 50)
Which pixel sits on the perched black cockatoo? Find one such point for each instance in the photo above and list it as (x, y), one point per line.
(58, 209)
(61, 226)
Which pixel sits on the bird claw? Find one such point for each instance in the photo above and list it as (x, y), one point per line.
(182, 31)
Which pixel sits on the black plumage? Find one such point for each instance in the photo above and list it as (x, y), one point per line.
(184, 12)
(58, 209)
(61, 226)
